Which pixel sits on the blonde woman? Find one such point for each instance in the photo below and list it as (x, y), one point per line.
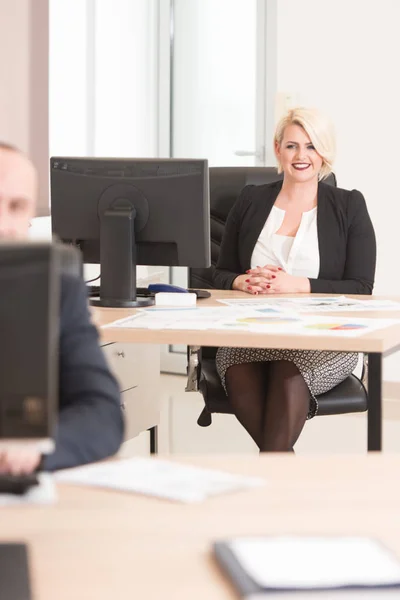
(298, 235)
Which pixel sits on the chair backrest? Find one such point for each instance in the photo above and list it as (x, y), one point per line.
(226, 183)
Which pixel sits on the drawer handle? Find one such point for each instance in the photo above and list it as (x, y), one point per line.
(121, 353)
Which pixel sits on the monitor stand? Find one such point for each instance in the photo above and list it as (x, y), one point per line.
(118, 259)
(14, 572)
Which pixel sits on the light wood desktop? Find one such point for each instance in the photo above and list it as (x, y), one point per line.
(377, 341)
(377, 344)
(97, 544)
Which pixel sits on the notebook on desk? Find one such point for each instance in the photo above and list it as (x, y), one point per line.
(300, 568)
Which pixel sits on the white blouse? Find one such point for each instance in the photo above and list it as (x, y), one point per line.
(298, 255)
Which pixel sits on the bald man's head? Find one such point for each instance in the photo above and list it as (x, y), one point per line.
(18, 193)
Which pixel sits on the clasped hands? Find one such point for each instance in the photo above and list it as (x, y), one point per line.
(270, 280)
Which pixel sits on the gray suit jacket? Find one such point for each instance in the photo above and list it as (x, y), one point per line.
(90, 425)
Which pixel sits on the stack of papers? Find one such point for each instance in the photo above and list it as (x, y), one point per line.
(159, 478)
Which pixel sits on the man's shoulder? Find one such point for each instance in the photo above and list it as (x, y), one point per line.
(72, 288)
(73, 301)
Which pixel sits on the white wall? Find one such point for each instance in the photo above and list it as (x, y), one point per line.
(24, 82)
(343, 57)
(14, 72)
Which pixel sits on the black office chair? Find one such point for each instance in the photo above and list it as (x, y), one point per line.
(225, 185)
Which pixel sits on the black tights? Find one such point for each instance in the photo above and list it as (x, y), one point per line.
(271, 400)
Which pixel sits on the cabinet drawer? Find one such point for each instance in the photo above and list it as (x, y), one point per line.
(141, 407)
(129, 362)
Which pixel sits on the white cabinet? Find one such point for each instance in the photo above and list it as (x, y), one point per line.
(137, 369)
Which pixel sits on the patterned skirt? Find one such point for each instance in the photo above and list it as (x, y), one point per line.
(321, 371)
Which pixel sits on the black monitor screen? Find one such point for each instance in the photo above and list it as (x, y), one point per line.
(128, 212)
(29, 325)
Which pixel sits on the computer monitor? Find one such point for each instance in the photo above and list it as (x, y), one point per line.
(125, 212)
(30, 277)
(29, 311)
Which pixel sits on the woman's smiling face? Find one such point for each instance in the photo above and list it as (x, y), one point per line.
(299, 160)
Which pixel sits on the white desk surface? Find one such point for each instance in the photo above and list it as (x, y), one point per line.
(102, 545)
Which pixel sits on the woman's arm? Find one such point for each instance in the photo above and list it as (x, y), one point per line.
(359, 271)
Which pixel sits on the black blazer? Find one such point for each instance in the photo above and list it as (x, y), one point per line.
(346, 238)
(90, 424)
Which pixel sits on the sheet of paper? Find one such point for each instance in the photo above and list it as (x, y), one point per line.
(177, 318)
(314, 304)
(297, 324)
(342, 304)
(312, 562)
(381, 305)
(253, 302)
(164, 479)
(44, 493)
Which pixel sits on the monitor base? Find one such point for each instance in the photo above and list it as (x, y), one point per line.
(115, 303)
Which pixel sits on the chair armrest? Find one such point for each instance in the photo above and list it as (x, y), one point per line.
(194, 362)
(364, 372)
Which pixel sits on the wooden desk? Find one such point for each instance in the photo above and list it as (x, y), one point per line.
(376, 344)
(383, 341)
(102, 545)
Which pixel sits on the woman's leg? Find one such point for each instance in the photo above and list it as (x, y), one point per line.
(246, 385)
(286, 407)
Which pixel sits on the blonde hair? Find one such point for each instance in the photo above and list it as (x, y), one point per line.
(318, 128)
